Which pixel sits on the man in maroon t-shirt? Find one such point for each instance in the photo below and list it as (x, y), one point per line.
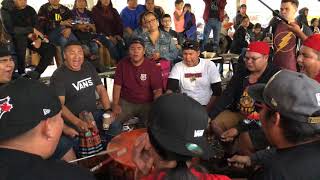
(286, 36)
(137, 83)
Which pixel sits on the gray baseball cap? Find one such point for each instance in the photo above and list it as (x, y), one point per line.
(293, 95)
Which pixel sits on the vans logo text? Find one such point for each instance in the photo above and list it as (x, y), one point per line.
(83, 84)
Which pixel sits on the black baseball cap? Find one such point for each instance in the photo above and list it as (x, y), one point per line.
(24, 103)
(137, 40)
(191, 44)
(4, 50)
(178, 124)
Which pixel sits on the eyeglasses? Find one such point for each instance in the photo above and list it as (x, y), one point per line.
(151, 21)
(254, 59)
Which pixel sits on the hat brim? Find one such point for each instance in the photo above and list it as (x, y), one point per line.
(173, 144)
(256, 92)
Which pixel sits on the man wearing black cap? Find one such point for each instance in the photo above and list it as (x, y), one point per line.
(6, 65)
(198, 78)
(137, 83)
(175, 136)
(290, 118)
(30, 126)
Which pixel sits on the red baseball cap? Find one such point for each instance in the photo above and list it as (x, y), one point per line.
(259, 47)
(313, 42)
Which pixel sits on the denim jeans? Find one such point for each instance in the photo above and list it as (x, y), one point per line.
(215, 25)
(58, 39)
(116, 51)
(90, 48)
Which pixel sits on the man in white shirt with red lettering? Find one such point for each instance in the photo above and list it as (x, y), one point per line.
(198, 78)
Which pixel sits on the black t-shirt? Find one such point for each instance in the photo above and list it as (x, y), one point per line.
(24, 18)
(241, 39)
(19, 165)
(214, 9)
(78, 87)
(50, 17)
(296, 163)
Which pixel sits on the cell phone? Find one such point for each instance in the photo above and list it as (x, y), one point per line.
(270, 36)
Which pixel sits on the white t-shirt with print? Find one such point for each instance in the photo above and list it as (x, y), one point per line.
(196, 81)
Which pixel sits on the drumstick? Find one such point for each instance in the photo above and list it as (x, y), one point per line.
(119, 153)
(101, 164)
(94, 155)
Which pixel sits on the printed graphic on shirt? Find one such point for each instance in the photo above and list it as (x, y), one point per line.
(246, 104)
(57, 17)
(247, 38)
(82, 84)
(192, 76)
(143, 77)
(214, 5)
(285, 41)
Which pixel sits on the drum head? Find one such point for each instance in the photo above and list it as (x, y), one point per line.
(125, 140)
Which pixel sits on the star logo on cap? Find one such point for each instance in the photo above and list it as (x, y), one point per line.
(5, 106)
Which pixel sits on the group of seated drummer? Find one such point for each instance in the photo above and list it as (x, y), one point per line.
(137, 83)
(272, 110)
(269, 115)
